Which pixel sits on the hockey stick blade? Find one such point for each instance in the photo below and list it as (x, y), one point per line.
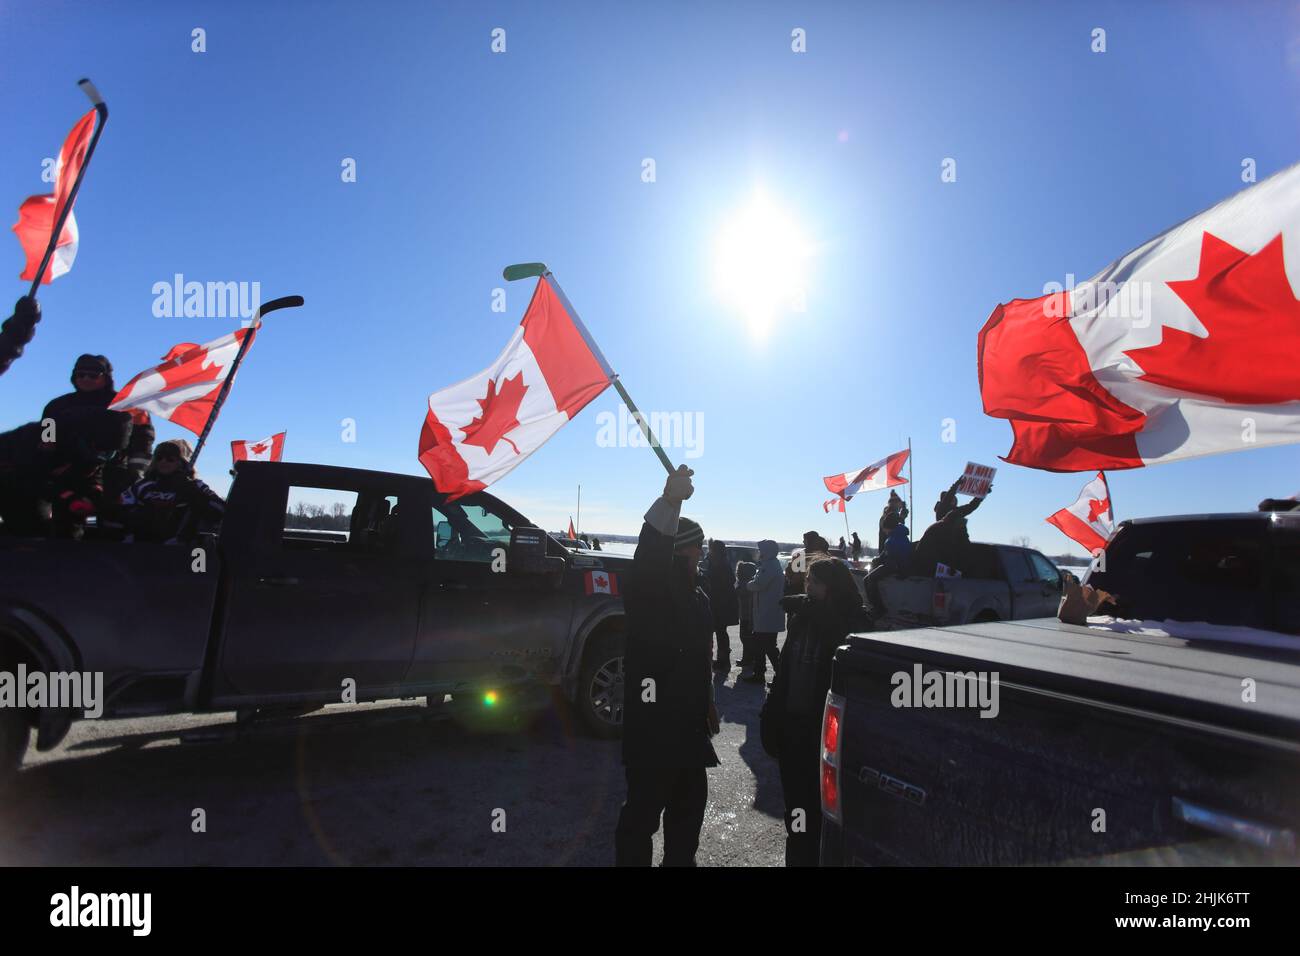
(284, 302)
(522, 270)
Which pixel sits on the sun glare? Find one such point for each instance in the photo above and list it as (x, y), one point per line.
(760, 264)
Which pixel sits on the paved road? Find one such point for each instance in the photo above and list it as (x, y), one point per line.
(374, 784)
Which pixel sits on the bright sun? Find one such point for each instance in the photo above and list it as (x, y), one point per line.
(760, 264)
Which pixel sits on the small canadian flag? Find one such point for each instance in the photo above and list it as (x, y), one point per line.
(1090, 520)
(601, 582)
(268, 449)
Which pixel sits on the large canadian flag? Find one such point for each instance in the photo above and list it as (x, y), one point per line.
(1185, 346)
(268, 449)
(38, 214)
(881, 474)
(1090, 520)
(478, 430)
(183, 389)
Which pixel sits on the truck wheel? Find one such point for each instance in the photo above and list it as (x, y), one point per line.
(14, 734)
(600, 686)
(986, 617)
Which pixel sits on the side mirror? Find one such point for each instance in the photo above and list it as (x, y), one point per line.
(528, 554)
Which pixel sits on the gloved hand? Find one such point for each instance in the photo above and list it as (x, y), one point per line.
(18, 330)
(679, 487)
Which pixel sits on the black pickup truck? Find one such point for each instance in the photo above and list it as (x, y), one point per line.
(416, 597)
(1170, 736)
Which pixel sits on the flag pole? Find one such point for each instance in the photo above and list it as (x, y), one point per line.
(579, 525)
(847, 534)
(101, 113)
(286, 302)
(525, 269)
(910, 482)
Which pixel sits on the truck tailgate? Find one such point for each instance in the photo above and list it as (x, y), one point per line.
(1101, 745)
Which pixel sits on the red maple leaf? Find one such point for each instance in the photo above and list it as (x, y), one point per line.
(1252, 316)
(258, 448)
(499, 414)
(1097, 508)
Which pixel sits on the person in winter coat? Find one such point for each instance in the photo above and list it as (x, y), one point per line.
(169, 504)
(745, 571)
(894, 513)
(769, 619)
(856, 547)
(947, 541)
(722, 598)
(668, 715)
(791, 718)
(894, 560)
(93, 388)
(815, 547)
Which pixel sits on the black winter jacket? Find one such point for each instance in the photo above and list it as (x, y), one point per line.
(669, 641)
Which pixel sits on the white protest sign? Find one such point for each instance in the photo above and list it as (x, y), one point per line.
(977, 480)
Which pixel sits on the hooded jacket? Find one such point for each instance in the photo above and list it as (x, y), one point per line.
(767, 587)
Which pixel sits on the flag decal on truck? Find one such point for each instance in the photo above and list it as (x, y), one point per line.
(600, 582)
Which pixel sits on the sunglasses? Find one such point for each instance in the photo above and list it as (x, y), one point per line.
(89, 373)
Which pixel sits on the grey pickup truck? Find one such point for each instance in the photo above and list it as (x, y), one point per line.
(405, 595)
(1002, 583)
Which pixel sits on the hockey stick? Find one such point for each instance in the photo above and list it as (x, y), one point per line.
(284, 302)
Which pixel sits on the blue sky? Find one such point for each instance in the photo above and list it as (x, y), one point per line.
(225, 166)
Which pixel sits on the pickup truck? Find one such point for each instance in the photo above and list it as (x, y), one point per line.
(1102, 744)
(418, 597)
(1002, 583)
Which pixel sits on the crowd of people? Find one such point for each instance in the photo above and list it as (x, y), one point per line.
(677, 616)
(85, 469)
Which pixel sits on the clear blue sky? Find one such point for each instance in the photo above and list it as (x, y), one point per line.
(225, 166)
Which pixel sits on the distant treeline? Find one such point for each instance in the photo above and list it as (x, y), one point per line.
(318, 517)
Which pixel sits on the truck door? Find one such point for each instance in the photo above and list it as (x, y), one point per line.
(481, 623)
(1031, 594)
(328, 591)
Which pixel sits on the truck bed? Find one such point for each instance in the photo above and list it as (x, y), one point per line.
(1148, 738)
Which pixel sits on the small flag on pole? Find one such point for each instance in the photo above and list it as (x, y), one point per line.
(268, 449)
(1090, 520)
(38, 214)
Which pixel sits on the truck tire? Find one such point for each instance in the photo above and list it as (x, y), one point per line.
(599, 697)
(14, 735)
(986, 617)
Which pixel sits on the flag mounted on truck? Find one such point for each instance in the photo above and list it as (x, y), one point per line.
(1091, 519)
(476, 431)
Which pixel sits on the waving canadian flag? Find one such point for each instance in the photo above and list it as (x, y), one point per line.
(38, 214)
(1185, 346)
(268, 449)
(478, 430)
(881, 474)
(1090, 520)
(184, 388)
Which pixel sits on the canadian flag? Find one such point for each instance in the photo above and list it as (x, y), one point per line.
(601, 582)
(184, 388)
(835, 504)
(882, 474)
(573, 535)
(268, 449)
(1090, 520)
(38, 214)
(478, 430)
(1185, 346)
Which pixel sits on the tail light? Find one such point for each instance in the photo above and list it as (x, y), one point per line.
(832, 739)
(939, 602)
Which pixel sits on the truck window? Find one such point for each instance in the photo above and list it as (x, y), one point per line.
(468, 532)
(322, 519)
(1044, 571)
(1017, 567)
